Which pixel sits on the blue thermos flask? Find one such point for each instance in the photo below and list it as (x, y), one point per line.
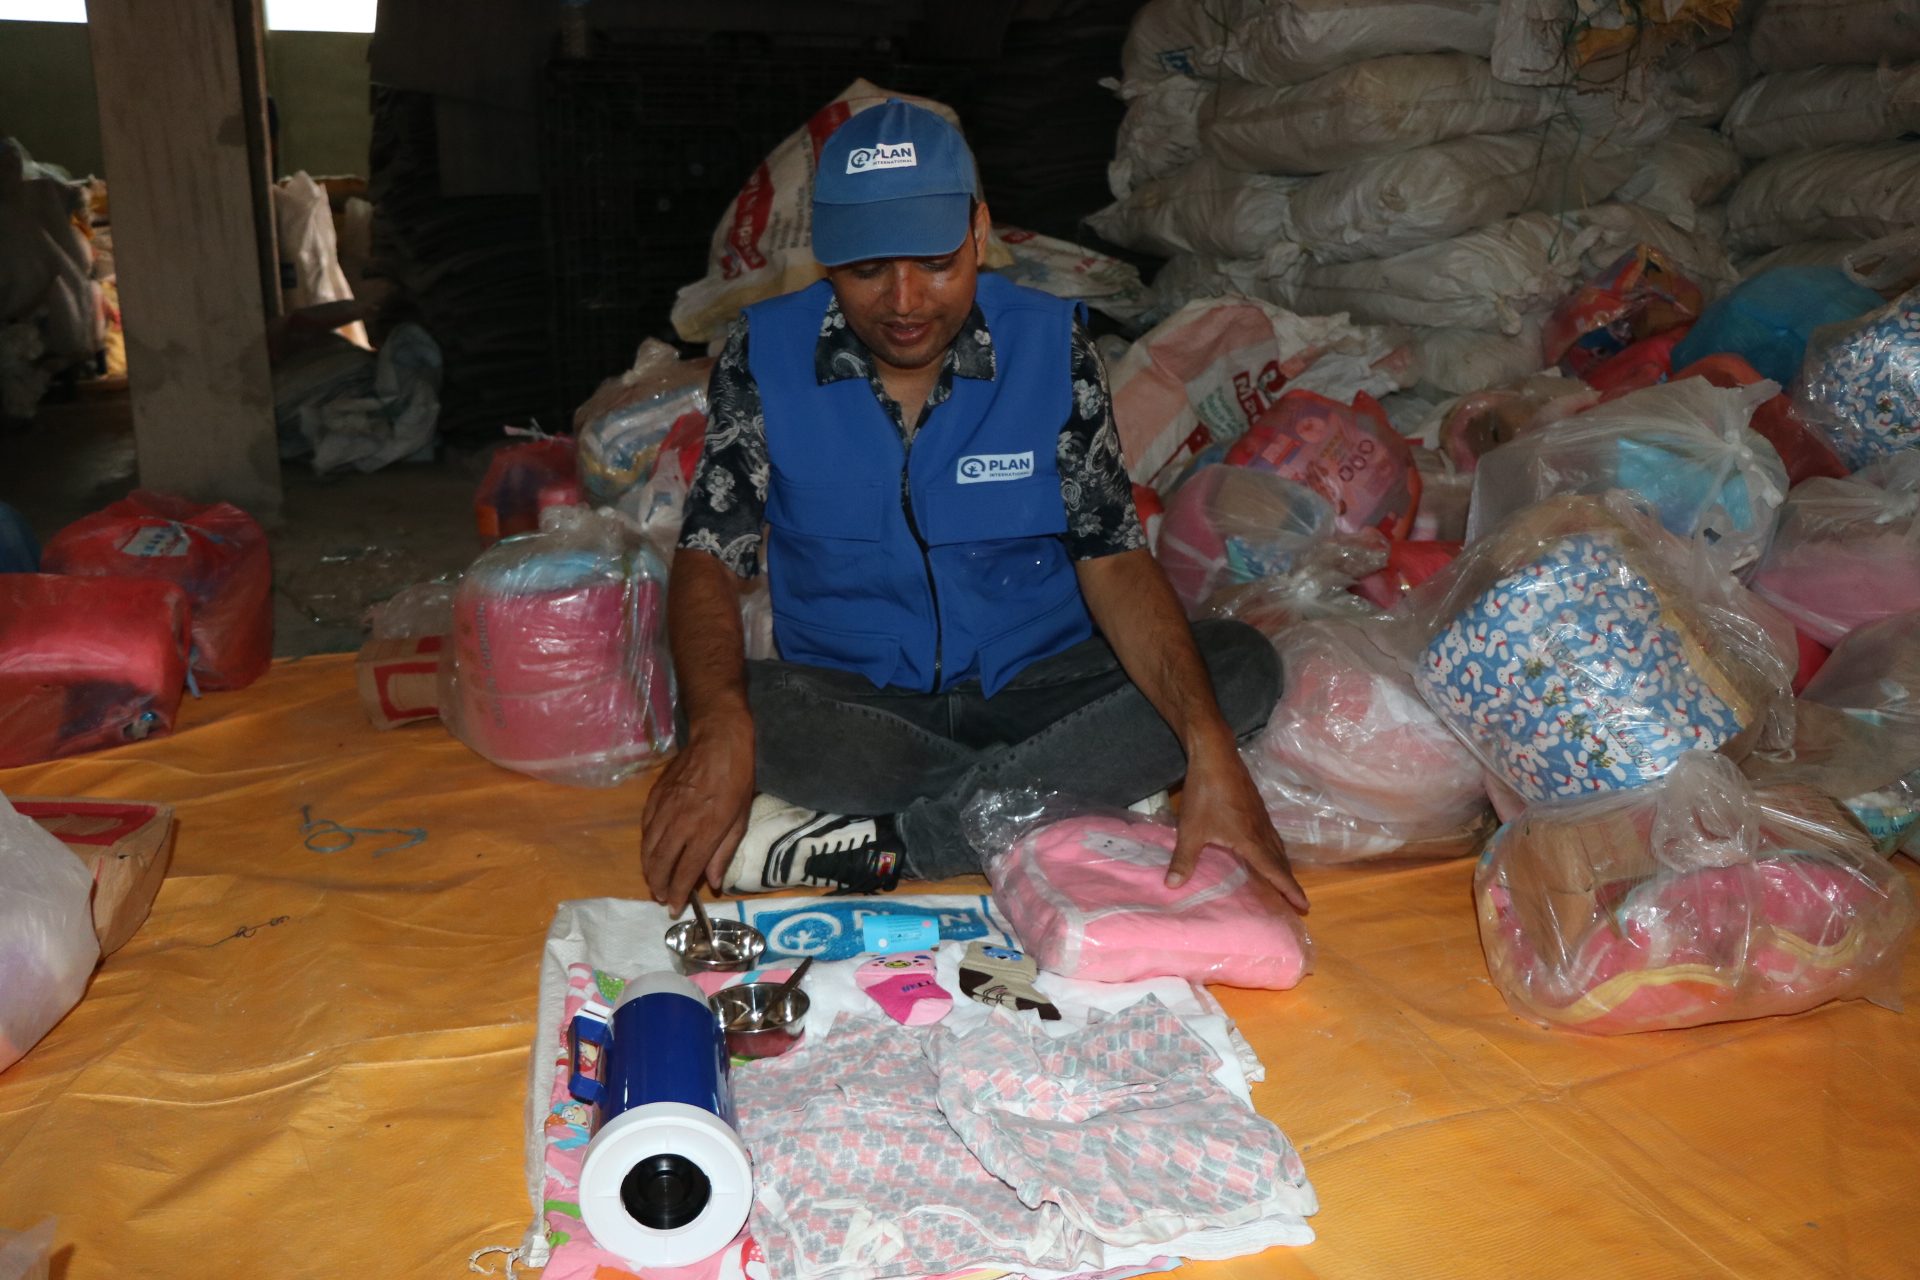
(667, 1181)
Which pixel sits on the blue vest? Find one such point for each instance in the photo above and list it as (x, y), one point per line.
(919, 568)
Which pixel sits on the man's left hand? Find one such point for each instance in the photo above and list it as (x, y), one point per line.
(1221, 805)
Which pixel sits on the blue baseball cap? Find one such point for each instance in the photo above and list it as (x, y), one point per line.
(895, 181)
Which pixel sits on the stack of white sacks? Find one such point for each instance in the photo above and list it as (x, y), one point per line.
(1822, 129)
(1435, 164)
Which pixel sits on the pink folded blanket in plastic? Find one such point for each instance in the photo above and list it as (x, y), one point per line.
(1088, 898)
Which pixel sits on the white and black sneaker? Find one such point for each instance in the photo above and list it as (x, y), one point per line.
(786, 845)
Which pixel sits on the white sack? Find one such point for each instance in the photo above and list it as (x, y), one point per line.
(1688, 169)
(1172, 38)
(1700, 254)
(1790, 35)
(1159, 133)
(1189, 276)
(1824, 107)
(1889, 266)
(1703, 85)
(1842, 193)
(1463, 361)
(1204, 208)
(1292, 41)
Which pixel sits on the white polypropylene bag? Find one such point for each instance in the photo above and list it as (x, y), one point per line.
(1700, 254)
(1703, 85)
(1204, 208)
(763, 244)
(1889, 266)
(1824, 107)
(1463, 361)
(1683, 172)
(1188, 277)
(1683, 446)
(47, 943)
(1171, 38)
(1836, 194)
(1203, 375)
(1159, 134)
(1390, 204)
(1293, 41)
(1789, 35)
(1372, 108)
(1489, 279)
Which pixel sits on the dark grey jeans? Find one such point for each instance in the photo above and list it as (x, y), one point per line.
(1072, 723)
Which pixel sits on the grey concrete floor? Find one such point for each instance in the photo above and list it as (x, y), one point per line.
(342, 543)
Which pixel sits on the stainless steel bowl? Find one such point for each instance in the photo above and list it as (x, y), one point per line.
(737, 947)
(755, 1026)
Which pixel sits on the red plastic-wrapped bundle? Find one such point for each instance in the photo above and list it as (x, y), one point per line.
(87, 663)
(1639, 296)
(1348, 454)
(508, 500)
(1646, 363)
(215, 552)
(1409, 563)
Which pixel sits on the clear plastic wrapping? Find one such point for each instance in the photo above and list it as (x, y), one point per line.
(1481, 422)
(47, 943)
(1683, 446)
(1869, 763)
(1860, 386)
(558, 665)
(1229, 525)
(619, 431)
(1349, 454)
(1353, 764)
(1873, 676)
(1699, 899)
(1084, 888)
(1579, 647)
(1846, 552)
(1316, 587)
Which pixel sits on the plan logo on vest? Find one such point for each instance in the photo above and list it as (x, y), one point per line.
(881, 155)
(979, 468)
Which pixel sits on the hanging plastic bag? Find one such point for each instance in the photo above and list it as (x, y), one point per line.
(87, 663)
(1860, 388)
(508, 500)
(1640, 295)
(1353, 764)
(558, 666)
(1683, 446)
(1348, 454)
(216, 553)
(1579, 647)
(1847, 552)
(1234, 524)
(47, 943)
(1085, 891)
(1701, 899)
(624, 425)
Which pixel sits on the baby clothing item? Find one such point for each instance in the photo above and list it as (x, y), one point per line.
(1581, 648)
(904, 985)
(1003, 977)
(1699, 899)
(1087, 895)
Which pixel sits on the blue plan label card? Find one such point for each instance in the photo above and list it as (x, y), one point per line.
(887, 934)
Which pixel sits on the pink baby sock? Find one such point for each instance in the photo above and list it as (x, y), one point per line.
(904, 986)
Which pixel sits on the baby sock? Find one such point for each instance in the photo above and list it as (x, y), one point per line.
(1004, 977)
(905, 987)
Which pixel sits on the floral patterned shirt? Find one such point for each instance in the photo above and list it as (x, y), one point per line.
(727, 502)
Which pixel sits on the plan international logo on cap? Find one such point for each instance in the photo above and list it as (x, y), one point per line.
(979, 468)
(881, 155)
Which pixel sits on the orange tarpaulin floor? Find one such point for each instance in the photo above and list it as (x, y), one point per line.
(314, 1064)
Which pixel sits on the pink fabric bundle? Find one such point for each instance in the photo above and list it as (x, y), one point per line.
(1847, 552)
(1087, 896)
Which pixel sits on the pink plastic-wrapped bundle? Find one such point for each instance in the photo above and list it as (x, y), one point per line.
(558, 665)
(1085, 891)
(1698, 899)
(1847, 552)
(1353, 765)
(1227, 525)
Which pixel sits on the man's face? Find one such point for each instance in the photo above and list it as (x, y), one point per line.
(908, 310)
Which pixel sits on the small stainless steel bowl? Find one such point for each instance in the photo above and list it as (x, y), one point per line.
(737, 947)
(753, 1027)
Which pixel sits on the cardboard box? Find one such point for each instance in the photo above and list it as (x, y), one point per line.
(400, 680)
(126, 844)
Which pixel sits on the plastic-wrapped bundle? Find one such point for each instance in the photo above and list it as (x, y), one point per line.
(215, 552)
(1352, 764)
(1235, 524)
(1832, 194)
(1874, 677)
(621, 427)
(558, 666)
(1478, 424)
(1682, 446)
(1768, 319)
(1803, 451)
(1698, 252)
(1580, 647)
(1640, 295)
(1860, 387)
(1847, 552)
(1824, 107)
(508, 499)
(1085, 891)
(87, 663)
(1316, 586)
(1348, 454)
(47, 943)
(1366, 109)
(1701, 899)
(1867, 761)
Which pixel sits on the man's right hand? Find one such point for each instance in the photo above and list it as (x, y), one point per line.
(698, 811)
